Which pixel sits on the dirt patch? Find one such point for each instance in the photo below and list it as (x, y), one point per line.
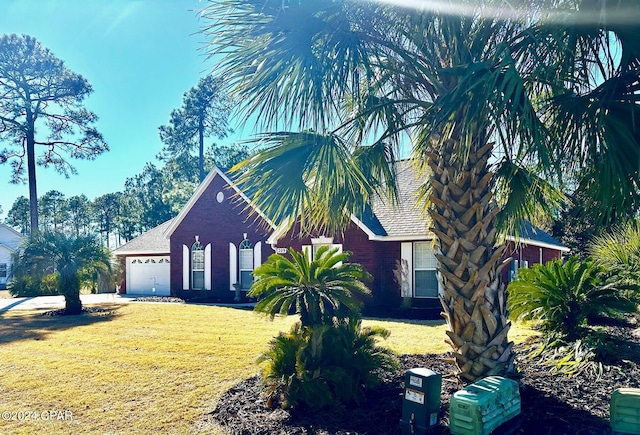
(551, 404)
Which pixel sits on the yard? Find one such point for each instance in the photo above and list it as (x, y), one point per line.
(142, 368)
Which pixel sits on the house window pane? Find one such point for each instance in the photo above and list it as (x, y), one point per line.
(246, 259)
(246, 279)
(426, 285)
(245, 263)
(424, 271)
(423, 256)
(198, 280)
(3, 270)
(197, 266)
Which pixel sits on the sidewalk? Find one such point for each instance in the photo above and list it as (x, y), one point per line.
(55, 302)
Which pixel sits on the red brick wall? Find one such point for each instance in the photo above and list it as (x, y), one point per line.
(218, 224)
(529, 253)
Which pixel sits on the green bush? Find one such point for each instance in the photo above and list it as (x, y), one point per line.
(325, 365)
(318, 290)
(328, 358)
(564, 296)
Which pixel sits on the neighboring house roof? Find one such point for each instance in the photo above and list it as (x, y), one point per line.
(201, 189)
(531, 235)
(8, 248)
(151, 242)
(9, 237)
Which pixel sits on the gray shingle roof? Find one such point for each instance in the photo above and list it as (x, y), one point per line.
(535, 234)
(151, 242)
(406, 217)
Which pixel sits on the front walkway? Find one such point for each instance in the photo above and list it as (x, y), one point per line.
(55, 302)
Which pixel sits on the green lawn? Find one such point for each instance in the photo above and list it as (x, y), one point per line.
(142, 368)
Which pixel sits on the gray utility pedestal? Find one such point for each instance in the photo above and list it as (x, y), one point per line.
(421, 403)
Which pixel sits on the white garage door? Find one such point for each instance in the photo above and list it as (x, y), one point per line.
(148, 275)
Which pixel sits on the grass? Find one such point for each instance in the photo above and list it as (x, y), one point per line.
(143, 368)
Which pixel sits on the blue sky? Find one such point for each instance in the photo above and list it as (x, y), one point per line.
(139, 56)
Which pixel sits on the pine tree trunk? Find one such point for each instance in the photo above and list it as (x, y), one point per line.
(31, 174)
(464, 221)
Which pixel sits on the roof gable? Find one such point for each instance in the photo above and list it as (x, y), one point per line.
(215, 172)
(151, 242)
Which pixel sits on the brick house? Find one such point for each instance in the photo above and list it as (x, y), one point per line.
(216, 241)
(395, 245)
(219, 238)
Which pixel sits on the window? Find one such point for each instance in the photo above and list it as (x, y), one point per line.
(246, 264)
(425, 271)
(317, 243)
(3, 270)
(197, 266)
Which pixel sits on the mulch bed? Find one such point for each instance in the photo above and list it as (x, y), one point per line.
(167, 299)
(85, 310)
(551, 404)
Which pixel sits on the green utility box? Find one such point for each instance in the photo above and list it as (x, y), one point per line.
(624, 411)
(484, 405)
(421, 404)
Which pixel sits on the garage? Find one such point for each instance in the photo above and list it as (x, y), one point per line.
(148, 275)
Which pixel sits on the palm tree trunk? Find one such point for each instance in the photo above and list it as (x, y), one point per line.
(464, 221)
(70, 288)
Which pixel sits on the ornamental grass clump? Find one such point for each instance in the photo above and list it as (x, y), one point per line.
(327, 358)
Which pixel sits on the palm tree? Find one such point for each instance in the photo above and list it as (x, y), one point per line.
(319, 290)
(478, 87)
(68, 256)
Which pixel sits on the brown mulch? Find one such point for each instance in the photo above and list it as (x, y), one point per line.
(551, 404)
(85, 310)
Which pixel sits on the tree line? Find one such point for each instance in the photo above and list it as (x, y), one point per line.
(147, 200)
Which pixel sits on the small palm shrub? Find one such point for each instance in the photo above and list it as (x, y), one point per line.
(327, 358)
(66, 258)
(317, 290)
(565, 298)
(322, 365)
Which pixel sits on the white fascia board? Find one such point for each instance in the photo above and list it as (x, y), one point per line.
(364, 228)
(16, 232)
(198, 193)
(140, 252)
(279, 232)
(537, 243)
(8, 248)
(402, 238)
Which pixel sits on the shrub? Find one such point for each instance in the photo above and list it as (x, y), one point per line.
(317, 290)
(619, 251)
(325, 365)
(564, 296)
(328, 358)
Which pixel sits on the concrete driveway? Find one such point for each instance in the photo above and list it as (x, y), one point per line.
(55, 302)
